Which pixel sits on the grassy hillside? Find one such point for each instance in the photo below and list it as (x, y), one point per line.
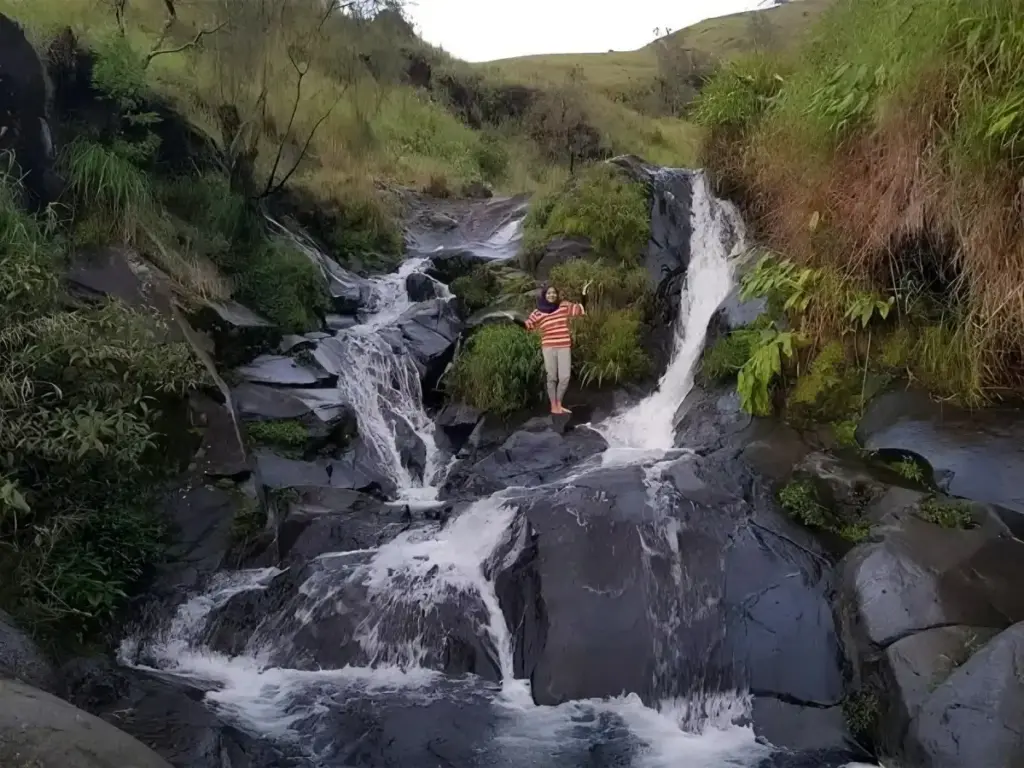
(881, 164)
(628, 77)
(372, 124)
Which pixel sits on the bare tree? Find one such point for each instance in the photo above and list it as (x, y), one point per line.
(681, 72)
(558, 121)
(258, 111)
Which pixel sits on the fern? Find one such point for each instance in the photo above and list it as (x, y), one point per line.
(765, 363)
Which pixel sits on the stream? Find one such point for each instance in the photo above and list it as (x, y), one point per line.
(602, 596)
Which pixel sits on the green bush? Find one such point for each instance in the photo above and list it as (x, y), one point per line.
(603, 205)
(723, 360)
(738, 94)
(284, 285)
(499, 370)
(288, 434)
(111, 193)
(608, 348)
(80, 452)
(612, 285)
(948, 514)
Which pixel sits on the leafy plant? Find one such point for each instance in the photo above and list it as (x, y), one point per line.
(787, 287)
(288, 433)
(765, 363)
(499, 370)
(608, 348)
(602, 205)
(909, 470)
(947, 514)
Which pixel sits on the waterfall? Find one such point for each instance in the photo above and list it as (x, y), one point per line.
(717, 238)
(393, 616)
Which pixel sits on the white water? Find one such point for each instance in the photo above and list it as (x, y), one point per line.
(718, 237)
(426, 567)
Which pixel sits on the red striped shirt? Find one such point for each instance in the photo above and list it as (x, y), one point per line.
(554, 326)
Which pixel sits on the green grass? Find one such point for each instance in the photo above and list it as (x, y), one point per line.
(800, 500)
(289, 434)
(621, 75)
(602, 205)
(950, 514)
(499, 370)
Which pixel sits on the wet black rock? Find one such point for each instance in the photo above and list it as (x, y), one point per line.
(321, 520)
(24, 130)
(324, 412)
(169, 717)
(918, 576)
(975, 716)
(421, 287)
(558, 251)
(708, 420)
(429, 332)
(238, 333)
(21, 659)
(450, 264)
(534, 455)
(346, 609)
(355, 470)
(283, 371)
(982, 452)
(709, 593)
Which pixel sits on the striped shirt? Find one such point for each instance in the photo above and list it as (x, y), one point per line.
(554, 326)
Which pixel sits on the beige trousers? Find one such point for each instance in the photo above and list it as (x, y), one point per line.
(558, 364)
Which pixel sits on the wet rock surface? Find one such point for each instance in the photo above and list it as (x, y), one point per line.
(621, 616)
(21, 659)
(38, 730)
(983, 451)
(170, 718)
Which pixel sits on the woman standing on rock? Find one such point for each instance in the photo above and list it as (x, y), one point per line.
(551, 319)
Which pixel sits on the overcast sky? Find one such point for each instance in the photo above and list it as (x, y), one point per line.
(482, 30)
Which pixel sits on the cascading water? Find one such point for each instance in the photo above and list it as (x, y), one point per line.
(391, 618)
(717, 237)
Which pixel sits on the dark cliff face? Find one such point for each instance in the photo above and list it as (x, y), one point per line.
(25, 140)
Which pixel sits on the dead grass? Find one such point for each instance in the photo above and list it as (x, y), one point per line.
(918, 195)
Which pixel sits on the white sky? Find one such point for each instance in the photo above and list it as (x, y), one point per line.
(483, 30)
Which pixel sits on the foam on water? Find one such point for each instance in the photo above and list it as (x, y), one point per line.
(449, 564)
(718, 236)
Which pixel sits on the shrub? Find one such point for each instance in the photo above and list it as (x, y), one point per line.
(800, 500)
(80, 451)
(110, 190)
(499, 370)
(602, 205)
(285, 285)
(608, 348)
(612, 285)
(724, 358)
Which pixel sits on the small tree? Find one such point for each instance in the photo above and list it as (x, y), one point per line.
(559, 121)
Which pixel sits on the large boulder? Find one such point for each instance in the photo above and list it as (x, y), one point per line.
(974, 717)
(355, 470)
(558, 251)
(284, 371)
(24, 130)
(38, 730)
(429, 332)
(915, 602)
(365, 601)
(673, 586)
(21, 659)
(170, 717)
(238, 333)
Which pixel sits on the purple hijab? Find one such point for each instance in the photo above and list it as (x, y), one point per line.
(543, 305)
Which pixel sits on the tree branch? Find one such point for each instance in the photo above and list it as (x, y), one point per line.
(291, 121)
(305, 148)
(157, 51)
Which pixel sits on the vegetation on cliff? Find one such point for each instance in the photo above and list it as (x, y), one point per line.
(880, 164)
(81, 444)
